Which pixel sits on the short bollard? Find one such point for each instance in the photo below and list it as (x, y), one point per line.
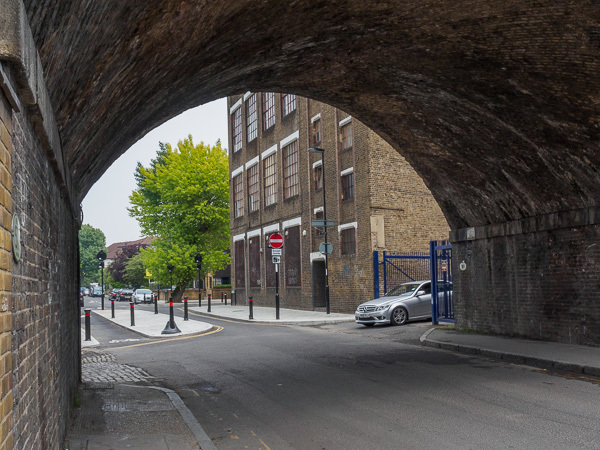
(112, 309)
(251, 311)
(88, 330)
(155, 304)
(132, 314)
(233, 298)
(225, 298)
(171, 328)
(185, 308)
(208, 302)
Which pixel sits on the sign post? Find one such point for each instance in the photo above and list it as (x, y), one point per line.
(276, 242)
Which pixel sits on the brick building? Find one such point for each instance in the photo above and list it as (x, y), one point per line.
(277, 185)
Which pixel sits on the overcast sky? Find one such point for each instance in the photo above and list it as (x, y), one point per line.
(105, 206)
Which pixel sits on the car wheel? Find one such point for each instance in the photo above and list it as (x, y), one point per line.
(399, 316)
(368, 324)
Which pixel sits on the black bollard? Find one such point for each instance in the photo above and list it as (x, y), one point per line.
(185, 308)
(132, 314)
(233, 298)
(208, 302)
(112, 309)
(156, 304)
(225, 298)
(251, 311)
(88, 328)
(171, 328)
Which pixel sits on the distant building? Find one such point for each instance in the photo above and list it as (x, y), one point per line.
(115, 249)
(374, 198)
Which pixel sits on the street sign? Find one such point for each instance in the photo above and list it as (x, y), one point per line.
(276, 251)
(325, 249)
(276, 240)
(322, 223)
(276, 259)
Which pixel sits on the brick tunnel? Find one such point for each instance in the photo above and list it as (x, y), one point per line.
(495, 104)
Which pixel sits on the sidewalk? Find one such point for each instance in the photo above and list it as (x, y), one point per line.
(579, 359)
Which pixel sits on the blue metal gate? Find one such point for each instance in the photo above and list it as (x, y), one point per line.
(399, 268)
(442, 305)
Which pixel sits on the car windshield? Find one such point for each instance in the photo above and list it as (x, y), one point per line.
(403, 289)
(143, 291)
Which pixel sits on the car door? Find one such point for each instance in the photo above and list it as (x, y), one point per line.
(423, 303)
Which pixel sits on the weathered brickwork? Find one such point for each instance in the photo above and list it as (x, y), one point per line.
(44, 345)
(6, 266)
(408, 214)
(551, 262)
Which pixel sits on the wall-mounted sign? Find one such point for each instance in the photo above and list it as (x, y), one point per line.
(276, 259)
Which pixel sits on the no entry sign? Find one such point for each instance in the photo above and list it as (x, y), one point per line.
(276, 240)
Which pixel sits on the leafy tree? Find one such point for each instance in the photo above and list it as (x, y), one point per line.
(117, 268)
(135, 271)
(91, 241)
(183, 199)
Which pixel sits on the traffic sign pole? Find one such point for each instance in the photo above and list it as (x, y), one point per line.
(277, 291)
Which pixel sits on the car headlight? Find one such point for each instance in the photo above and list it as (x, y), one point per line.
(382, 307)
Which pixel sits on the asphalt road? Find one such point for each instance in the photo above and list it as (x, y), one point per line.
(349, 387)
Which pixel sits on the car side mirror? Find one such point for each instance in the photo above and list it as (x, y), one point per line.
(419, 293)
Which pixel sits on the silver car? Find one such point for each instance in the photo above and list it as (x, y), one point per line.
(409, 301)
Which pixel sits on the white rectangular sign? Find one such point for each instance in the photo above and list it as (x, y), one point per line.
(276, 259)
(276, 252)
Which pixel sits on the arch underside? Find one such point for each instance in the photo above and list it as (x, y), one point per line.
(494, 103)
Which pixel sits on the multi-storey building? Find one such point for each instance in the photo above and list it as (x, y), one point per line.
(277, 185)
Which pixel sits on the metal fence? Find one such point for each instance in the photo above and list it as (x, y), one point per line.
(396, 268)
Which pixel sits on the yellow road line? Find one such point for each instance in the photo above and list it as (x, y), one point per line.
(181, 338)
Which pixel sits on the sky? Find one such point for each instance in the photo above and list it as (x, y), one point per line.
(105, 206)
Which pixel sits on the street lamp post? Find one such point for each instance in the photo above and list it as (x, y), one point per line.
(322, 152)
(101, 257)
(170, 268)
(198, 260)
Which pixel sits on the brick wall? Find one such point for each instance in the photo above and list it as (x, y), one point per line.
(6, 363)
(44, 304)
(535, 278)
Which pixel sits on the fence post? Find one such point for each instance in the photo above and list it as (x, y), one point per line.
(434, 296)
(384, 275)
(376, 274)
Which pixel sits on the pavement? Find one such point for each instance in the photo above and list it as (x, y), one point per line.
(116, 399)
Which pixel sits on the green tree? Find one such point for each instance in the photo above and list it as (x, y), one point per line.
(135, 271)
(183, 199)
(91, 241)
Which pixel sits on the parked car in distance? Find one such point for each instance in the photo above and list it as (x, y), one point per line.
(96, 292)
(126, 295)
(114, 294)
(409, 301)
(143, 296)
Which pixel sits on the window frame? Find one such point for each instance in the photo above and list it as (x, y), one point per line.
(251, 118)
(346, 245)
(268, 110)
(236, 129)
(253, 181)
(347, 134)
(238, 195)
(270, 179)
(288, 104)
(347, 184)
(291, 181)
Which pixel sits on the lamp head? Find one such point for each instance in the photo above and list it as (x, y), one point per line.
(315, 150)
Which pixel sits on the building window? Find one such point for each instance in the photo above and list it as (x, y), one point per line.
(238, 196)
(347, 137)
(268, 110)
(348, 241)
(240, 264)
(288, 104)
(317, 132)
(236, 127)
(254, 261)
(318, 176)
(290, 170)
(348, 187)
(292, 256)
(270, 175)
(251, 118)
(253, 197)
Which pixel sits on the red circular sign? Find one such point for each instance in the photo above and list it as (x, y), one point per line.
(276, 240)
